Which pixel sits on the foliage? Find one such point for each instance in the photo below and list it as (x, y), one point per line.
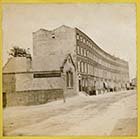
(19, 52)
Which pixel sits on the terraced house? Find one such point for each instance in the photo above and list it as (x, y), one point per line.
(98, 69)
(65, 61)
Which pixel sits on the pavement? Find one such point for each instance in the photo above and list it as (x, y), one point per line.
(110, 114)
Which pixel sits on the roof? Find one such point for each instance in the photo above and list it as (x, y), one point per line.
(53, 30)
(16, 64)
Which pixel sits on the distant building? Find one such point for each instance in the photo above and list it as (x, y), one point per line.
(134, 82)
(65, 61)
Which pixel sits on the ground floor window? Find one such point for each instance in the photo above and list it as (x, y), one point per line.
(69, 78)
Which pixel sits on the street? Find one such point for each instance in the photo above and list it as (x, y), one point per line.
(110, 114)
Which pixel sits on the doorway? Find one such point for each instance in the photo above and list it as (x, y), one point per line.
(4, 99)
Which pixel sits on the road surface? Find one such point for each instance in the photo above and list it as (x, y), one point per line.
(111, 114)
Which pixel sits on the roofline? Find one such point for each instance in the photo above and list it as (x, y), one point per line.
(68, 55)
(97, 46)
(43, 29)
(114, 57)
(9, 59)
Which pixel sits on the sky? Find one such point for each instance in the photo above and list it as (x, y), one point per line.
(111, 26)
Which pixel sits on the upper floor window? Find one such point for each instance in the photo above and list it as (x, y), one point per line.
(53, 36)
(87, 53)
(77, 36)
(85, 67)
(81, 50)
(81, 39)
(81, 66)
(78, 66)
(78, 49)
(89, 44)
(84, 40)
(84, 52)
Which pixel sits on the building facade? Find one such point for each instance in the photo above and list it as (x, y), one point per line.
(97, 70)
(65, 61)
(23, 86)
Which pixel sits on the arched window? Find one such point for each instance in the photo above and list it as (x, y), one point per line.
(69, 79)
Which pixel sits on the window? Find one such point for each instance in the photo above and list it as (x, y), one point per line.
(90, 55)
(87, 53)
(71, 81)
(93, 69)
(81, 39)
(53, 36)
(84, 52)
(81, 50)
(84, 40)
(78, 49)
(69, 78)
(87, 67)
(90, 44)
(77, 37)
(78, 65)
(83, 67)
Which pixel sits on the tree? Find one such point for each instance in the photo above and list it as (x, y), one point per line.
(19, 52)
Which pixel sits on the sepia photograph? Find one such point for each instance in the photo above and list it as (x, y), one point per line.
(69, 69)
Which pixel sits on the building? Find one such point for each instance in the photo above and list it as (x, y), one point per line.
(23, 86)
(65, 61)
(133, 83)
(95, 67)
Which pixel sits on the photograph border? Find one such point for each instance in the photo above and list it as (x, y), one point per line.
(137, 2)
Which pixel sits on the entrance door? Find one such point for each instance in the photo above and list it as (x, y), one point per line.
(4, 99)
(80, 86)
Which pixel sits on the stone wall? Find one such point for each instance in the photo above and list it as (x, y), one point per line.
(25, 81)
(8, 83)
(33, 97)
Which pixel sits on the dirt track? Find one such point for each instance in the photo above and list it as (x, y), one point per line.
(107, 114)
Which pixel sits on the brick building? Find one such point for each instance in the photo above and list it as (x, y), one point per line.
(65, 61)
(95, 67)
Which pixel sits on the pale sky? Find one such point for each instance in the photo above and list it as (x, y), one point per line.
(111, 26)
